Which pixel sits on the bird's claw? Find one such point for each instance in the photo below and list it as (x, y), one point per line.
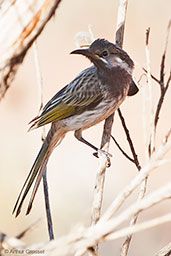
(101, 152)
(96, 154)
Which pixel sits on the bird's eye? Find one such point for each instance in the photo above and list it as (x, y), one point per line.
(104, 53)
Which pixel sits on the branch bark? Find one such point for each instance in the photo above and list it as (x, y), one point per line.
(165, 251)
(23, 20)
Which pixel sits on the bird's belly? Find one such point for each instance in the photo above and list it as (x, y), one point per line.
(92, 117)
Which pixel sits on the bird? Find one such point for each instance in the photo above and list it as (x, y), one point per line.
(90, 98)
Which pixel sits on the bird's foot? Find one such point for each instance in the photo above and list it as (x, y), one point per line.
(102, 153)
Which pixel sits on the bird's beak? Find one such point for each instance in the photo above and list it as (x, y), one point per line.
(85, 52)
(95, 58)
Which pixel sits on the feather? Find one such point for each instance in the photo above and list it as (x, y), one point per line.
(81, 92)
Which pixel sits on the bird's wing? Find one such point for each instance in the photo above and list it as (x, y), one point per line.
(83, 93)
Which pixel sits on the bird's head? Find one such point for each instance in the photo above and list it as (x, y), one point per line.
(104, 55)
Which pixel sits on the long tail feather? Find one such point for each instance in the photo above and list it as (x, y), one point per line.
(39, 177)
(30, 179)
(37, 170)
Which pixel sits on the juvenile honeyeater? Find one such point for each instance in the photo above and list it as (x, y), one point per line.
(91, 97)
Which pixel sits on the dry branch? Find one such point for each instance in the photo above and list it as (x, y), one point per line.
(153, 119)
(165, 251)
(132, 229)
(23, 21)
(154, 162)
(78, 243)
(126, 244)
(85, 238)
(100, 231)
(99, 188)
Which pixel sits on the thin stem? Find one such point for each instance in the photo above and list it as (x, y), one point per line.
(135, 157)
(45, 184)
(151, 145)
(47, 205)
(152, 76)
(160, 102)
(163, 88)
(123, 152)
(22, 234)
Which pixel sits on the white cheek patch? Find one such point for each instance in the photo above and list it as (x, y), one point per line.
(122, 64)
(116, 61)
(105, 61)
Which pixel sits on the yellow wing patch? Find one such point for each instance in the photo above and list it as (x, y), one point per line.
(59, 112)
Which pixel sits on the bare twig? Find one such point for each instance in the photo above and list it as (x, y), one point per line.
(139, 227)
(121, 22)
(152, 76)
(22, 234)
(162, 69)
(99, 187)
(8, 243)
(165, 251)
(67, 244)
(140, 195)
(153, 163)
(47, 205)
(167, 136)
(163, 87)
(45, 184)
(125, 247)
(153, 122)
(160, 102)
(123, 152)
(135, 157)
(101, 231)
(104, 162)
(151, 145)
(84, 239)
(161, 82)
(126, 244)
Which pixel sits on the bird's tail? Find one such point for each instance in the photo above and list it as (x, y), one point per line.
(54, 136)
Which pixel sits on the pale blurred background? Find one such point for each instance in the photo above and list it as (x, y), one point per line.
(72, 167)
